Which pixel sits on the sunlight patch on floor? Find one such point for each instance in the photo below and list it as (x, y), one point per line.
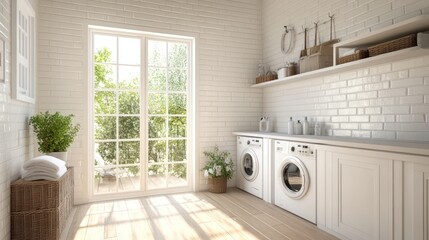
(179, 216)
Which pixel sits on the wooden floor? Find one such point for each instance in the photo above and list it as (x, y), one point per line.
(202, 215)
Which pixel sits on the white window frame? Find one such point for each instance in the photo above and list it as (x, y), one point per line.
(23, 51)
(143, 124)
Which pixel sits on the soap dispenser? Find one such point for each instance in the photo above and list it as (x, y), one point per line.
(263, 125)
(306, 127)
(298, 128)
(290, 126)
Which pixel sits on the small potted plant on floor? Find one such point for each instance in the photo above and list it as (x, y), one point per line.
(55, 133)
(219, 169)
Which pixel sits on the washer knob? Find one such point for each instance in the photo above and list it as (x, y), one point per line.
(248, 142)
(292, 149)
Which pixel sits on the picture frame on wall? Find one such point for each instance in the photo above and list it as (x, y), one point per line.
(23, 75)
(2, 60)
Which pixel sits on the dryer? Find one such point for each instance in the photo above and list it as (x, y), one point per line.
(249, 165)
(295, 178)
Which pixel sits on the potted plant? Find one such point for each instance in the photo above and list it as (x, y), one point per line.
(219, 169)
(55, 133)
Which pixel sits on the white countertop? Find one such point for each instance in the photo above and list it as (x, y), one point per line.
(408, 147)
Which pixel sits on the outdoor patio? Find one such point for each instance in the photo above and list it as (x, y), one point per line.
(107, 184)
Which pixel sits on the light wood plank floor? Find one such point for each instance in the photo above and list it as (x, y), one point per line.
(202, 215)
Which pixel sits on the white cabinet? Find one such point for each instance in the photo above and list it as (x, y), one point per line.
(355, 193)
(416, 202)
(364, 194)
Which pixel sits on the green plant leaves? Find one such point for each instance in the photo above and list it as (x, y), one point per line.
(55, 132)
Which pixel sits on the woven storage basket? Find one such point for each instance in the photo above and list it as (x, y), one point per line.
(43, 224)
(266, 78)
(217, 185)
(39, 209)
(359, 54)
(43, 194)
(393, 45)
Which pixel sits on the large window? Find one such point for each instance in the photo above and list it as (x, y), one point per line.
(140, 110)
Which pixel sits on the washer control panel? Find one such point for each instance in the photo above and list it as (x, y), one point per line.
(255, 142)
(302, 149)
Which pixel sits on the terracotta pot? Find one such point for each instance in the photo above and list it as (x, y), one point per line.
(217, 185)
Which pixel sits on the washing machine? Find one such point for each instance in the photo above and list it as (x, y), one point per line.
(295, 178)
(249, 165)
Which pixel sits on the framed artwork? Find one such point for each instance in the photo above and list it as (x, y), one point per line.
(2, 59)
(23, 51)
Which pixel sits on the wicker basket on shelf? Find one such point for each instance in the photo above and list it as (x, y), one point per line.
(359, 54)
(393, 45)
(265, 78)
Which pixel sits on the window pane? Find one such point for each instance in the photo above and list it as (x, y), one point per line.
(105, 48)
(177, 126)
(156, 103)
(105, 128)
(129, 50)
(129, 127)
(156, 176)
(177, 80)
(104, 183)
(105, 76)
(177, 55)
(129, 152)
(157, 79)
(129, 178)
(157, 53)
(177, 175)
(105, 102)
(129, 77)
(176, 150)
(157, 151)
(177, 104)
(105, 154)
(129, 103)
(157, 127)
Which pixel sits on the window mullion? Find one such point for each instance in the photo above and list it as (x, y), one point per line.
(117, 111)
(167, 110)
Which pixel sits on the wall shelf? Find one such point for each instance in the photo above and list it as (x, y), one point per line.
(416, 24)
(363, 63)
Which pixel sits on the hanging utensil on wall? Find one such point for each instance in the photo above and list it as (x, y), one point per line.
(315, 48)
(331, 17)
(304, 51)
(288, 32)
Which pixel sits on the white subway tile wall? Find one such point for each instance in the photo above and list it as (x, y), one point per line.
(16, 143)
(388, 101)
(228, 50)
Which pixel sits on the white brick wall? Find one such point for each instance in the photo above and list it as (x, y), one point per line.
(387, 101)
(229, 47)
(16, 145)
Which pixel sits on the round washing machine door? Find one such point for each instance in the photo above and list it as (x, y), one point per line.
(249, 166)
(294, 177)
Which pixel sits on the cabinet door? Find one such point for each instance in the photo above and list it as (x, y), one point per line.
(416, 202)
(362, 196)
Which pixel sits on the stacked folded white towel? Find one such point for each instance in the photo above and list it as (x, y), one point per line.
(44, 167)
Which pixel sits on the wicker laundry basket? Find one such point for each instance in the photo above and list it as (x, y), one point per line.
(39, 209)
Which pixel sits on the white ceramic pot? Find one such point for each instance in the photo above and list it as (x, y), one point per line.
(59, 155)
